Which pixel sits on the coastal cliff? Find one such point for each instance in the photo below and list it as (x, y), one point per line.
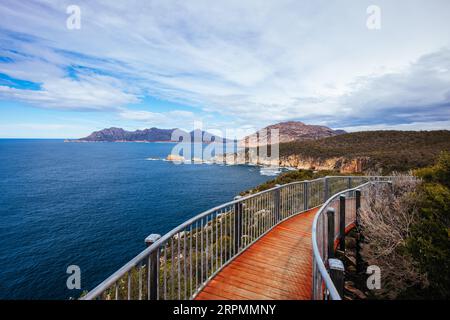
(341, 164)
(375, 151)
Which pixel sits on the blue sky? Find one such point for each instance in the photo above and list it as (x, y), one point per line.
(230, 64)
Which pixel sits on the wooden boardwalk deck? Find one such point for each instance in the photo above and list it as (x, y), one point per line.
(278, 266)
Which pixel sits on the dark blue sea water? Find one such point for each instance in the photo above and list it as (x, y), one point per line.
(92, 205)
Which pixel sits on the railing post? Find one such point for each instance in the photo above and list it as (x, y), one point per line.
(154, 266)
(277, 203)
(237, 224)
(357, 206)
(349, 185)
(359, 260)
(325, 191)
(305, 195)
(342, 200)
(330, 217)
(337, 273)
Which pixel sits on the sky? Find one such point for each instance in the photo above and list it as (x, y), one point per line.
(229, 65)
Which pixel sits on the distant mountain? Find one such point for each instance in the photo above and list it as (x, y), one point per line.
(289, 131)
(147, 135)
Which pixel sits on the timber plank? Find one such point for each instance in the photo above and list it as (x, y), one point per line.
(277, 266)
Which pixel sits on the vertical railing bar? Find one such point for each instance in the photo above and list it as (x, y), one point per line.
(251, 219)
(207, 247)
(149, 266)
(179, 266)
(129, 286)
(272, 213)
(257, 211)
(158, 265)
(244, 213)
(254, 213)
(323, 235)
(140, 281)
(228, 234)
(185, 263)
(212, 243)
(263, 216)
(256, 225)
(248, 212)
(190, 259)
(235, 217)
(201, 255)
(289, 205)
(230, 228)
(217, 241)
(294, 198)
(221, 238)
(196, 255)
(165, 270)
(172, 273)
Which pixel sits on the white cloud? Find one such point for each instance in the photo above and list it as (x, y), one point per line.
(89, 94)
(44, 131)
(253, 61)
(435, 125)
(170, 119)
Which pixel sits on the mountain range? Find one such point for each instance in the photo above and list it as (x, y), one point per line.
(288, 131)
(147, 135)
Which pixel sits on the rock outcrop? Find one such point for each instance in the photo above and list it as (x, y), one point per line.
(341, 164)
(288, 131)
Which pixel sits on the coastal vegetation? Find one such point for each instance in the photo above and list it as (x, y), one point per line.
(288, 177)
(405, 232)
(384, 151)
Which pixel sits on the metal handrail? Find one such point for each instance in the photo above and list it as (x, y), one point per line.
(216, 236)
(323, 286)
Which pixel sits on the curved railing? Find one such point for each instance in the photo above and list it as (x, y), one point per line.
(338, 213)
(179, 264)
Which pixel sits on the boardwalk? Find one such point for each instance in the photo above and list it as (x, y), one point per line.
(278, 266)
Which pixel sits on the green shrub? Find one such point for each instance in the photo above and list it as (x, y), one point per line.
(388, 151)
(430, 242)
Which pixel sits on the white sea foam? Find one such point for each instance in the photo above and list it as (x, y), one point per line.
(269, 171)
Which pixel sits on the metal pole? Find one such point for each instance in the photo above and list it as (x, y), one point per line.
(305, 195)
(357, 206)
(237, 225)
(342, 200)
(277, 203)
(154, 266)
(325, 187)
(337, 273)
(359, 260)
(330, 216)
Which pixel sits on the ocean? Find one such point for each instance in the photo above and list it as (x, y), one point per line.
(92, 205)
